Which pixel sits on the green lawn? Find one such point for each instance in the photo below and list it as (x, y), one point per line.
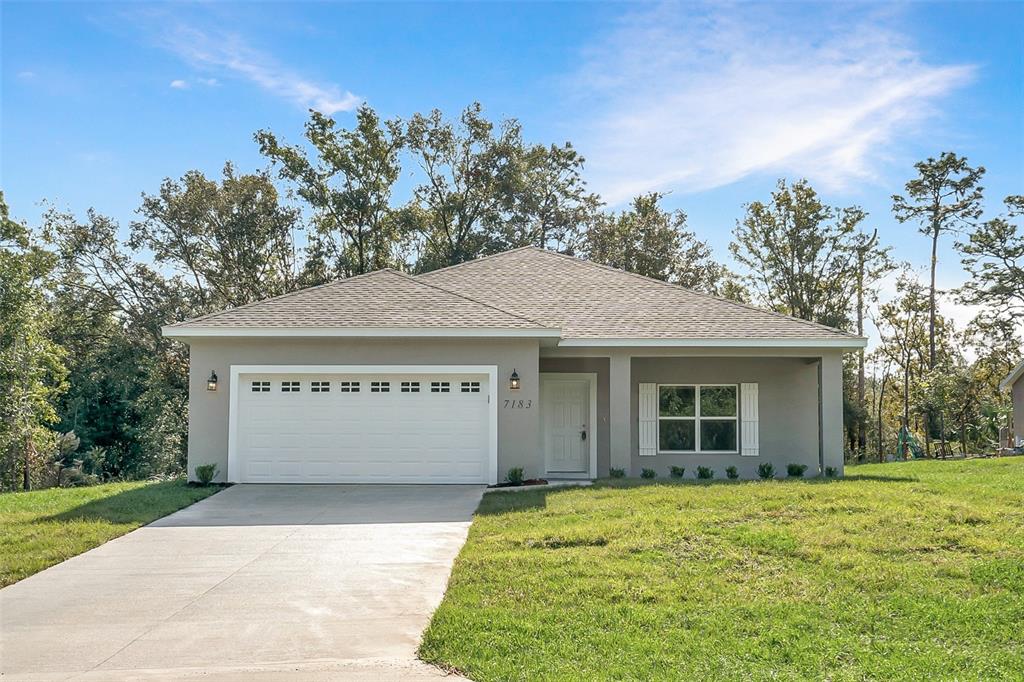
(901, 571)
(44, 527)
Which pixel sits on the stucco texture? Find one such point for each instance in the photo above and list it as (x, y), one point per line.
(1017, 392)
(208, 411)
(787, 404)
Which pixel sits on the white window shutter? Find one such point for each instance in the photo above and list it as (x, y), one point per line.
(648, 420)
(748, 417)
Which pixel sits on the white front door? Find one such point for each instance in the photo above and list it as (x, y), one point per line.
(566, 415)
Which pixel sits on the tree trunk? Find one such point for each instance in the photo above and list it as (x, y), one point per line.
(862, 435)
(26, 480)
(931, 300)
(881, 398)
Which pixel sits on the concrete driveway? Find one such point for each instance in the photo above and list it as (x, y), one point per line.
(255, 582)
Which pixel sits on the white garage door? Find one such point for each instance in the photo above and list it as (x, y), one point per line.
(362, 428)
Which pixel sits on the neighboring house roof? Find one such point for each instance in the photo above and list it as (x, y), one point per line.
(385, 301)
(591, 302)
(527, 291)
(1012, 377)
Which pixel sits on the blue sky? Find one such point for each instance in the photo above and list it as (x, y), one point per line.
(711, 103)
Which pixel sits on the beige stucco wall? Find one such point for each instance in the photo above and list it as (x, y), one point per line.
(1017, 393)
(787, 402)
(518, 429)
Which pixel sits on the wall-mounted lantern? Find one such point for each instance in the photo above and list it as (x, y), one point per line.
(211, 383)
(513, 381)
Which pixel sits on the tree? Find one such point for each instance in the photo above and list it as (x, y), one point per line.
(349, 187)
(32, 373)
(800, 253)
(994, 255)
(232, 241)
(130, 391)
(472, 172)
(549, 205)
(943, 197)
(653, 242)
(901, 325)
(872, 262)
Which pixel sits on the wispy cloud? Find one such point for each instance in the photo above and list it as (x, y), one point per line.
(182, 84)
(692, 98)
(229, 55)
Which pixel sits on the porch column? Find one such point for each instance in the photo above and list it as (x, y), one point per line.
(620, 400)
(832, 409)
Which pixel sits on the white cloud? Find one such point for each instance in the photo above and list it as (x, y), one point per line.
(181, 84)
(230, 55)
(688, 99)
(26, 75)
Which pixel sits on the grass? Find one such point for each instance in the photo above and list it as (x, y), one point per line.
(41, 528)
(901, 571)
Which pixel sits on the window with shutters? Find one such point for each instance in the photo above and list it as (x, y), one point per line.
(701, 418)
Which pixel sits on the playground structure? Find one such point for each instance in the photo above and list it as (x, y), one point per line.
(907, 443)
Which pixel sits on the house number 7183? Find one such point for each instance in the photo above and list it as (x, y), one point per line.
(518, 404)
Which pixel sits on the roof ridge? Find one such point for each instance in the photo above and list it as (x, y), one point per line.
(457, 294)
(481, 258)
(677, 287)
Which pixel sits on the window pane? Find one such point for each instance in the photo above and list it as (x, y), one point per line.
(676, 434)
(676, 401)
(717, 434)
(718, 401)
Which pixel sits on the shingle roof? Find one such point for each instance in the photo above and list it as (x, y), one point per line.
(527, 290)
(590, 301)
(382, 299)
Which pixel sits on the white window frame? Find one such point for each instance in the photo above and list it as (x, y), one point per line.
(696, 420)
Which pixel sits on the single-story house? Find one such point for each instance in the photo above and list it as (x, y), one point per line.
(527, 358)
(1014, 381)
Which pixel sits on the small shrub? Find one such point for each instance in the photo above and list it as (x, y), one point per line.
(766, 471)
(705, 473)
(205, 473)
(515, 476)
(677, 472)
(831, 472)
(648, 473)
(732, 472)
(74, 477)
(794, 470)
(617, 473)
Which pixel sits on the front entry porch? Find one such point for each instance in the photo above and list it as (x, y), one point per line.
(658, 408)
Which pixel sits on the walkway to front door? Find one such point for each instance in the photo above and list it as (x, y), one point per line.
(568, 421)
(256, 582)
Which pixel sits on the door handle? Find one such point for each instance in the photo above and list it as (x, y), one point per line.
(583, 435)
